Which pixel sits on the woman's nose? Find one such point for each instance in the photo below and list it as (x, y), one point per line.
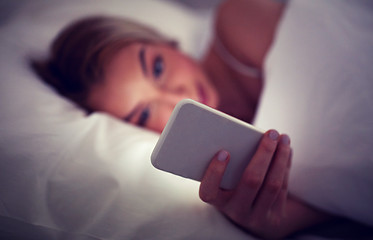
(176, 87)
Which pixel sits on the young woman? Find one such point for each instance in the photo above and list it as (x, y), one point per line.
(135, 74)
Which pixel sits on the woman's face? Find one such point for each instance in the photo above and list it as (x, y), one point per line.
(143, 83)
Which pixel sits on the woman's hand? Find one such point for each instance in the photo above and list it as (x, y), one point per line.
(258, 203)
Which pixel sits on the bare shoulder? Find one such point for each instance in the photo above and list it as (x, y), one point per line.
(246, 27)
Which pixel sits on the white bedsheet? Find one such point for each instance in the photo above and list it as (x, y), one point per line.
(68, 176)
(319, 90)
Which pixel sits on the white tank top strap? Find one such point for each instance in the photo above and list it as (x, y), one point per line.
(233, 62)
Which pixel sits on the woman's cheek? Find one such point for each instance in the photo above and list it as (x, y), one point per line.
(160, 119)
(164, 119)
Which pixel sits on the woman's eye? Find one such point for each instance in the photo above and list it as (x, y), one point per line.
(144, 115)
(158, 67)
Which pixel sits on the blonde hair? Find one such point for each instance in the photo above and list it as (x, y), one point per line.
(80, 52)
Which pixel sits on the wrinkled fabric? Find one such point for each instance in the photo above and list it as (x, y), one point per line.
(65, 175)
(319, 90)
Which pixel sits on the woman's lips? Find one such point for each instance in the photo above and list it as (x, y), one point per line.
(202, 94)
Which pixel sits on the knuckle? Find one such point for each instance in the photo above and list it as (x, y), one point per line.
(283, 154)
(236, 216)
(284, 150)
(268, 147)
(253, 182)
(253, 223)
(275, 220)
(273, 186)
(285, 185)
(206, 197)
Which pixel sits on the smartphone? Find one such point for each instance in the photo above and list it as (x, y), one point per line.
(195, 133)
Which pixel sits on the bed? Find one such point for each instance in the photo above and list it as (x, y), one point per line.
(66, 175)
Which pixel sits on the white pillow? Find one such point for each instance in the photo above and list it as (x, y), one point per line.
(319, 90)
(65, 175)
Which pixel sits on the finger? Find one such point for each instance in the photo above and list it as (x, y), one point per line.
(286, 184)
(290, 158)
(253, 176)
(279, 207)
(274, 179)
(209, 190)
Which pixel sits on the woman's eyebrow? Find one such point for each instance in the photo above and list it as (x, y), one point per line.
(143, 61)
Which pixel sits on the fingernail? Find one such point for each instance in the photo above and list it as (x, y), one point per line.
(222, 155)
(273, 134)
(285, 139)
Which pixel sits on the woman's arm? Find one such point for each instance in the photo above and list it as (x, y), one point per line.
(247, 28)
(243, 33)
